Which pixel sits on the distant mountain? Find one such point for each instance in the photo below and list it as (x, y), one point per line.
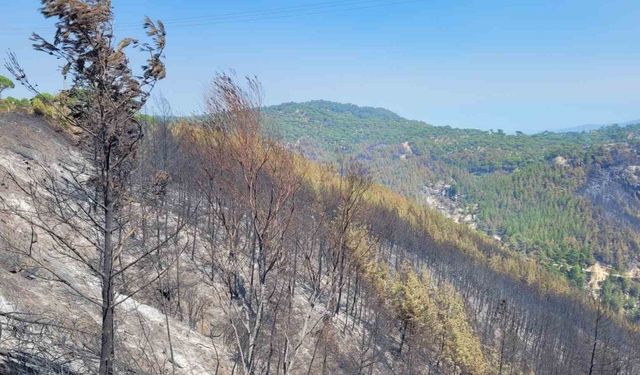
(590, 127)
(325, 106)
(336, 125)
(327, 116)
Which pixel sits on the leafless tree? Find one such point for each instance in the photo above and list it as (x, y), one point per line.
(267, 187)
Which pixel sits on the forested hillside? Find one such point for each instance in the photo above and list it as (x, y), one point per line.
(567, 199)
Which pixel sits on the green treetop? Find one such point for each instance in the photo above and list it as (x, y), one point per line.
(5, 83)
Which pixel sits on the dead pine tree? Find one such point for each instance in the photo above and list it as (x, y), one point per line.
(350, 192)
(85, 213)
(252, 183)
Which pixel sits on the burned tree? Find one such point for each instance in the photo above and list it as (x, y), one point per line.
(84, 208)
(260, 175)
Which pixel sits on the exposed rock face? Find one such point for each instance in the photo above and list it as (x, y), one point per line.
(445, 199)
(406, 147)
(561, 161)
(631, 176)
(613, 185)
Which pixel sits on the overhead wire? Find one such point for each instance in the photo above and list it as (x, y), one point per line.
(263, 12)
(372, 4)
(257, 15)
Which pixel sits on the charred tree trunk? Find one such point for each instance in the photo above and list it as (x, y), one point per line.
(107, 342)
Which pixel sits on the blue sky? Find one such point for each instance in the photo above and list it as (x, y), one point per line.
(512, 65)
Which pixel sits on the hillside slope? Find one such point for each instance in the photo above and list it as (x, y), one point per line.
(361, 280)
(67, 324)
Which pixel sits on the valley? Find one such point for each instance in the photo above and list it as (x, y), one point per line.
(570, 200)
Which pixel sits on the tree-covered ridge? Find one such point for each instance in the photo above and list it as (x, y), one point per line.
(350, 128)
(343, 126)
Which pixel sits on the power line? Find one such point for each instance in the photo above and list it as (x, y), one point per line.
(260, 15)
(235, 16)
(290, 14)
(320, 5)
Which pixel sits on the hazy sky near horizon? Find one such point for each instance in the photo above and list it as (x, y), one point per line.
(512, 65)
